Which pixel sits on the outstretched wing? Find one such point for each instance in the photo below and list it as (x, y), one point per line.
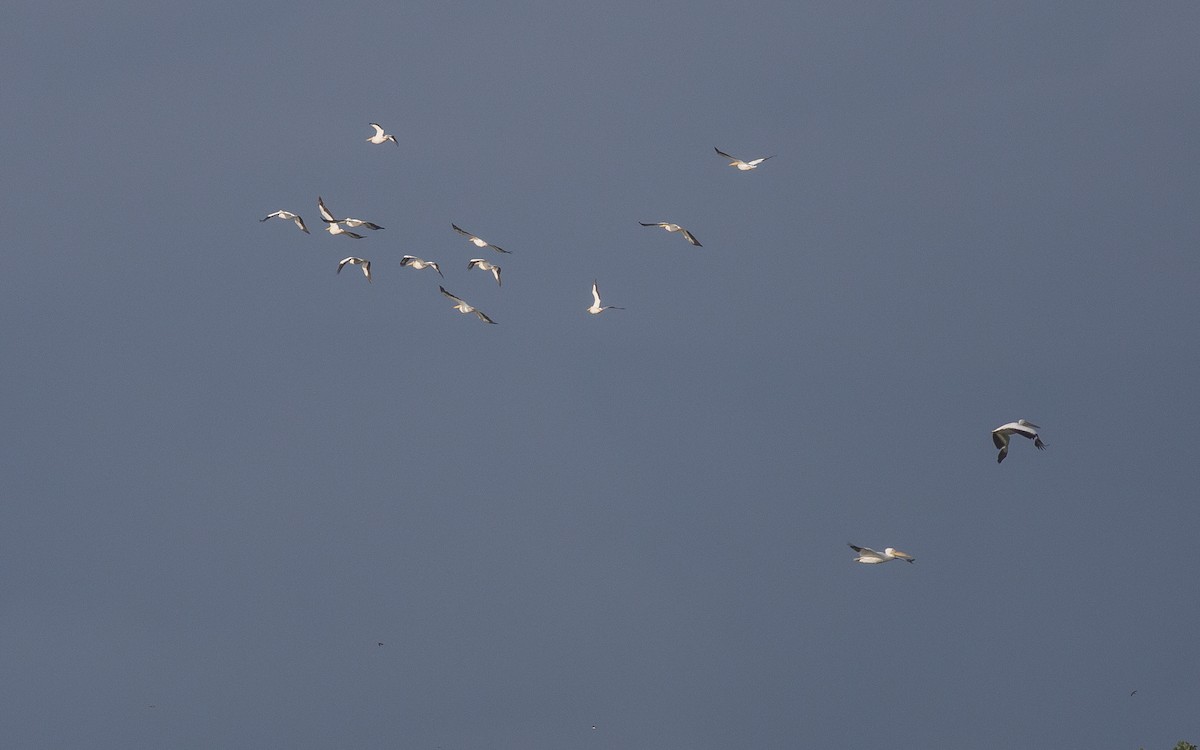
(325, 215)
(451, 296)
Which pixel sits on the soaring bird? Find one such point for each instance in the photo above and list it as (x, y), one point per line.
(380, 136)
(288, 215)
(742, 165)
(328, 218)
(462, 306)
(365, 264)
(417, 263)
(360, 223)
(483, 265)
(336, 228)
(673, 228)
(1025, 429)
(596, 308)
(871, 557)
(478, 241)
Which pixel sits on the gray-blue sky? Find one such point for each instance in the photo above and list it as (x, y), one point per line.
(229, 472)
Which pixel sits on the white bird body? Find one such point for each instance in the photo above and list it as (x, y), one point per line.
(464, 308)
(596, 307)
(1026, 429)
(281, 214)
(868, 556)
(742, 166)
(476, 240)
(483, 265)
(362, 263)
(380, 136)
(417, 263)
(673, 228)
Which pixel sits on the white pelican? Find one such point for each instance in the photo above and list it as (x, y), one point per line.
(419, 264)
(483, 265)
(288, 215)
(335, 228)
(742, 165)
(1025, 429)
(596, 308)
(478, 241)
(464, 308)
(673, 228)
(328, 218)
(380, 136)
(365, 264)
(360, 223)
(871, 557)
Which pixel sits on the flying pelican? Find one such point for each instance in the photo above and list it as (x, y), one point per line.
(328, 218)
(366, 265)
(596, 308)
(1025, 429)
(288, 215)
(336, 228)
(380, 136)
(483, 265)
(673, 228)
(360, 223)
(419, 264)
(464, 308)
(478, 241)
(742, 165)
(871, 557)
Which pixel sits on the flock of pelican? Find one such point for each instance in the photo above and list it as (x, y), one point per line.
(342, 227)
(1000, 436)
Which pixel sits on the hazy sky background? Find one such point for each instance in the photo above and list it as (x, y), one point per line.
(229, 472)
